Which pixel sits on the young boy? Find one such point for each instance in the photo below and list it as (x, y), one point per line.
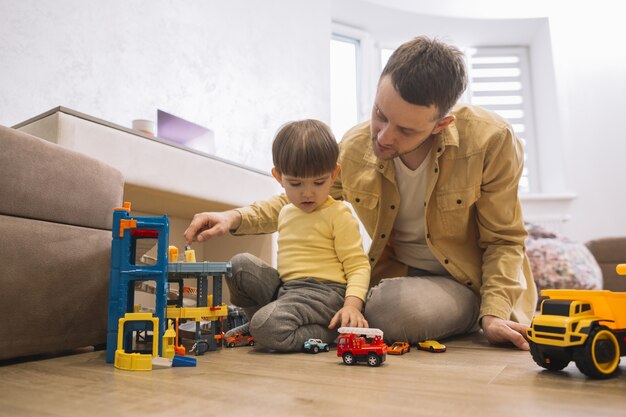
(323, 273)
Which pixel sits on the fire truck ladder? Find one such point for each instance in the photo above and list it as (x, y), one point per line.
(361, 331)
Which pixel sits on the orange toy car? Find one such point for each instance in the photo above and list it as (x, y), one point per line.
(399, 348)
(240, 340)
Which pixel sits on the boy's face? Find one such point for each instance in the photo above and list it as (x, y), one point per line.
(308, 194)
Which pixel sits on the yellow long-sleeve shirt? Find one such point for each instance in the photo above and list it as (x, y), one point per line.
(324, 244)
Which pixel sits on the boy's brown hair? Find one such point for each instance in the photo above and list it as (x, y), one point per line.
(305, 149)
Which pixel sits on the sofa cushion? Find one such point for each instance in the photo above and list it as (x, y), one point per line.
(43, 181)
(558, 262)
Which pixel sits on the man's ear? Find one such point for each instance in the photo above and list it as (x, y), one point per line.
(443, 123)
(277, 175)
(336, 172)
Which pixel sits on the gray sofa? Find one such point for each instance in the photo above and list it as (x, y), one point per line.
(55, 241)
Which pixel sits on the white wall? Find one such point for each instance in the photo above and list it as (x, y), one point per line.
(590, 61)
(241, 68)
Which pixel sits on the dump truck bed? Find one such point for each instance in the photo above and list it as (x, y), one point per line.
(607, 304)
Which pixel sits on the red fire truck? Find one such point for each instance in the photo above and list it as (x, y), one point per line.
(353, 346)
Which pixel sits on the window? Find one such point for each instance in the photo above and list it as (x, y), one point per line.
(352, 77)
(499, 81)
(385, 54)
(344, 92)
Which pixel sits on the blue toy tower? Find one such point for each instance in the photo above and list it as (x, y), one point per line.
(126, 269)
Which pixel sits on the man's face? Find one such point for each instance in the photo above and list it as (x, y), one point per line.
(399, 127)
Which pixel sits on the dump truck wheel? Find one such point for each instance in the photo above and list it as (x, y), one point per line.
(551, 362)
(599, 356)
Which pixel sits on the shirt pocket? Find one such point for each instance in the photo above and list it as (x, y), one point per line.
(364, 204)
(456, 209)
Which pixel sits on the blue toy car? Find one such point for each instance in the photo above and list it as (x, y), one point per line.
(315, 345)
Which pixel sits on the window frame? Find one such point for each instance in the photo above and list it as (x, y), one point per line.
(365, 65)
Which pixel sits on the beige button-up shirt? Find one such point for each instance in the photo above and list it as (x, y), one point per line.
(474, 224)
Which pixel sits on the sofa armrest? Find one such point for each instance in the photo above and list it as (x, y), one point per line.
(43, 181)
(609, 252)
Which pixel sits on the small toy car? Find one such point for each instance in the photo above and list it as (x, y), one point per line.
(399, 348)
(431, 346)
(240, 340)
(315, 345)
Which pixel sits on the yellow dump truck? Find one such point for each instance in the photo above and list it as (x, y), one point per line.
(586, 326)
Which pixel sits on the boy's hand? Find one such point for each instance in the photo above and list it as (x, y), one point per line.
(349, 315)
(206, 225)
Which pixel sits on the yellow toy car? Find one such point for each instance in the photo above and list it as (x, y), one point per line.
(399, 348)
(431, 346)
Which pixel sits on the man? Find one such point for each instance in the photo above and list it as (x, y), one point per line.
(436, 189)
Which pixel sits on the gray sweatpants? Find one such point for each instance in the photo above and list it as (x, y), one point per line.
(283, 315)
(418, 308)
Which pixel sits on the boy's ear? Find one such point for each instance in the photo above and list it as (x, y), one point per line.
(277, 175)
(336, 172)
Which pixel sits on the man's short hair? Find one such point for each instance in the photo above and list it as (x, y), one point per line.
(428, 72)
(305, 149)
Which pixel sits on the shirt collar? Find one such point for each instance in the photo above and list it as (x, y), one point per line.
(449, 136)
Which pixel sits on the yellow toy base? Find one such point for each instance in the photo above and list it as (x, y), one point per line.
(132, 361)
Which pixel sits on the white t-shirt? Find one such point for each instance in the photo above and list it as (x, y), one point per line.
(409, 240)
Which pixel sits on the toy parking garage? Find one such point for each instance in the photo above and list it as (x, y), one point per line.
(126, 325)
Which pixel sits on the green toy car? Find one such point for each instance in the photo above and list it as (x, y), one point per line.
(315, 346)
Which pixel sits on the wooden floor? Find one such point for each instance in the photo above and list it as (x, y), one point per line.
(470, 379)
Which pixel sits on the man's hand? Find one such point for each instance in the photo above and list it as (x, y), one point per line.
(497, 330)
(349, 315)
(206, 225)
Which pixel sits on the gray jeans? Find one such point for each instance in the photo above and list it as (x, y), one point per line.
(283, 315)
(417, 308)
